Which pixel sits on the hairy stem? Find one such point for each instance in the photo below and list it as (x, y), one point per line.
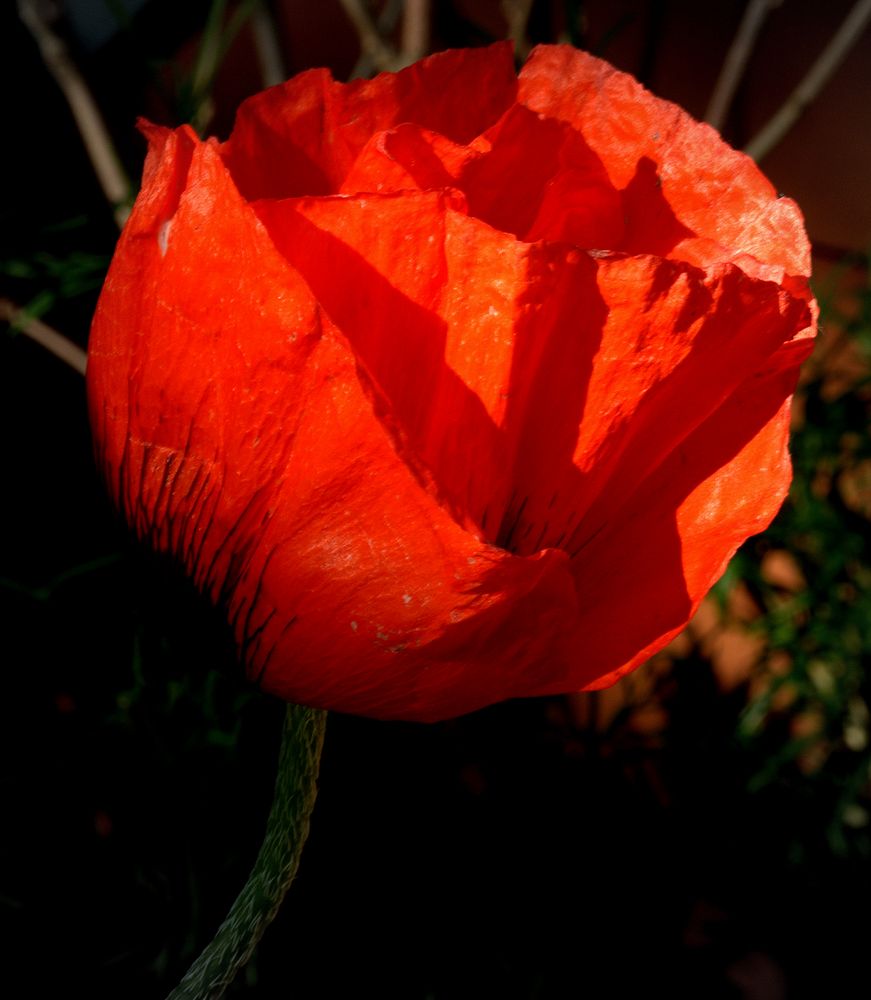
(276, 864)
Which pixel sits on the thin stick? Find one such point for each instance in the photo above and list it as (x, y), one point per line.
(830, 59)
(95, 135)
(49, 338)
(371, 42)
(206, 66)
(385, 24)
(217, 39)
(272, 68)
(736, 60)
(415, 32)
(517, 15)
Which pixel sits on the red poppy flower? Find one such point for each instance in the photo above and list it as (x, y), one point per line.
(451, 386)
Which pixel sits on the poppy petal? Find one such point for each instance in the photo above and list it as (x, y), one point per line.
(445, 400)
(677, 343)
(408, 158)
(559, 187)
(643, 576)
(566, 379)
(716, 193)
(279, 517)
(478, 343)
(303, 136)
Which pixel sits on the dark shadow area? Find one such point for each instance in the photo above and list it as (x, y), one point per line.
(651, 225)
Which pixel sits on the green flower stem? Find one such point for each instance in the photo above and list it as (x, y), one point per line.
(276, 864)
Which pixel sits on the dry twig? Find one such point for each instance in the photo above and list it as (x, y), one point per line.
(818, 76)
(415, 32)
(44, 335)
(387, 21)
(517, 15)
(736, 60)
(89, 121)
(272, 68)
(372, 44)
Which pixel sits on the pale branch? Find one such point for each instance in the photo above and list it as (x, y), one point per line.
(736, 60)
(415, 32)
(269, 56)
(44, 335)
(387, 21)
(372, 44)
(516, 14)
(817, 77)
(89, 121)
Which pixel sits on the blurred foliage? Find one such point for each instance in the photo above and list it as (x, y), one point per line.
(50, 277)
(807, 721)
(193, 90)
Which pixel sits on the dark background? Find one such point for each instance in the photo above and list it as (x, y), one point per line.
(702, 830)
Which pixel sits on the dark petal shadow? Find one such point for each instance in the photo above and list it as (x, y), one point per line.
(651, 225)
(438, 424)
